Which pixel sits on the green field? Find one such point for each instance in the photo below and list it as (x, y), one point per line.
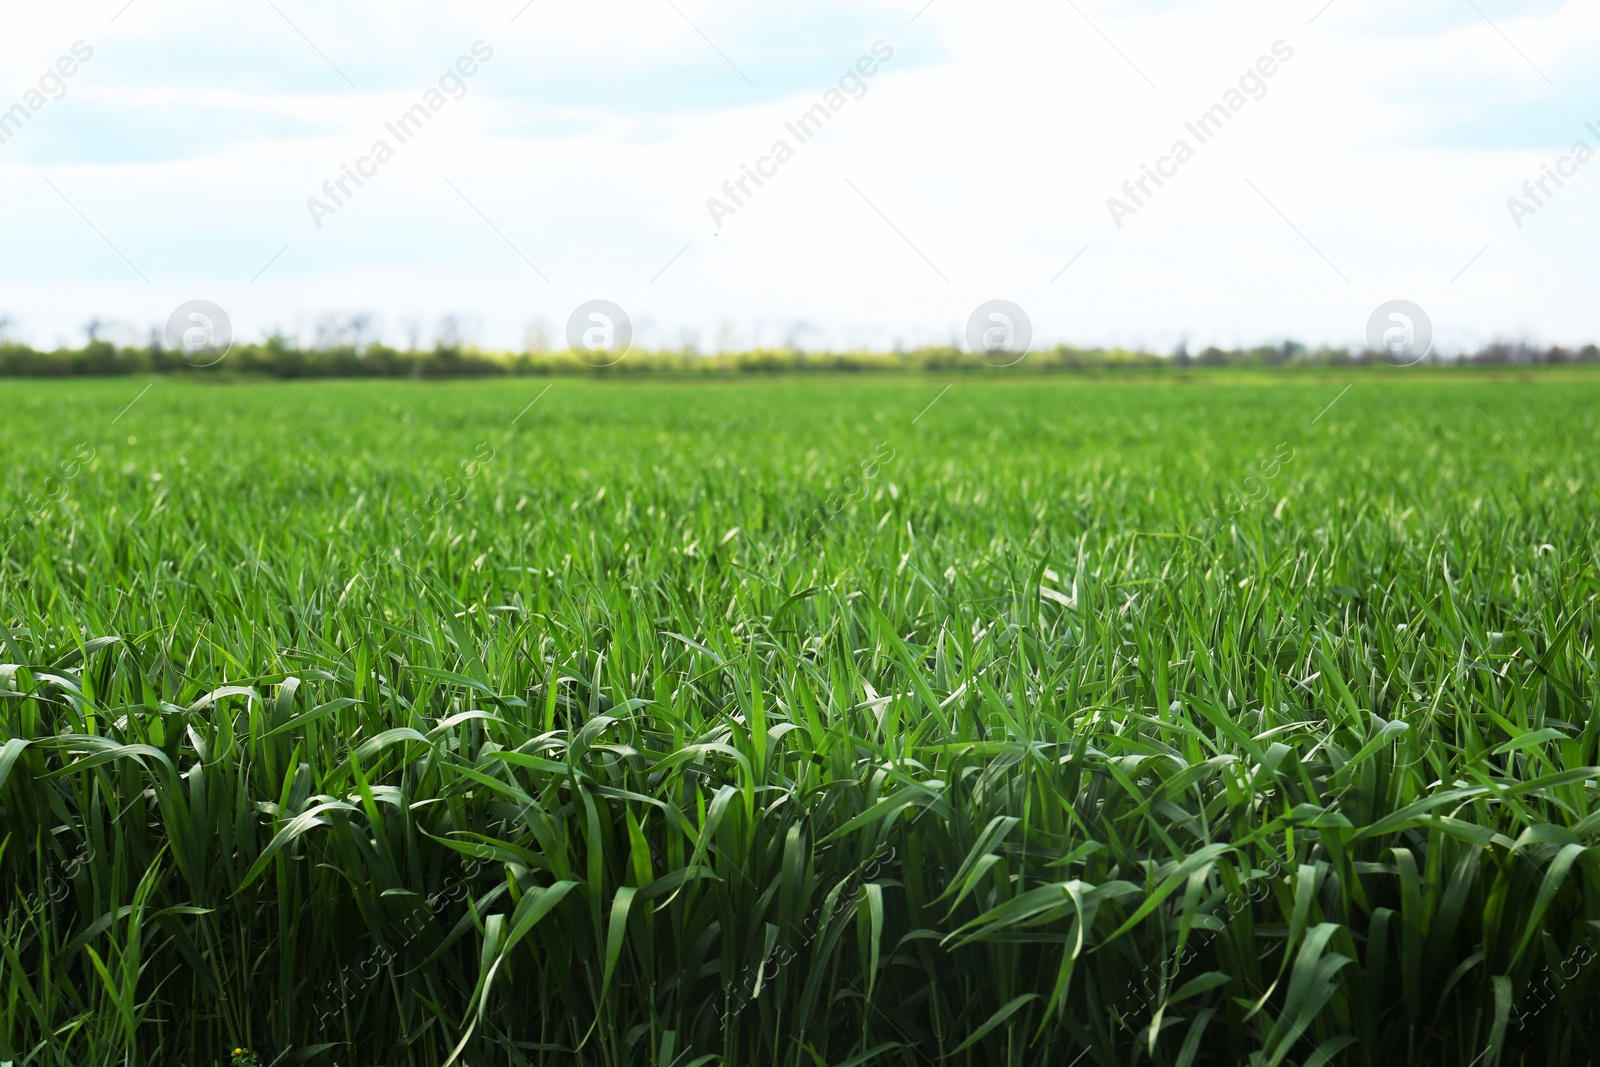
(800, 722)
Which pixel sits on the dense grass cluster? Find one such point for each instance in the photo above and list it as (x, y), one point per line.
(801, 722)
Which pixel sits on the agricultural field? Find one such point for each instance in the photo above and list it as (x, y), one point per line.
(1228, 718)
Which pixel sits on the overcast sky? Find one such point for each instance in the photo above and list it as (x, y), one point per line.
(975, 161)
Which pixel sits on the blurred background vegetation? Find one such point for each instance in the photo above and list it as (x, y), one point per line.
(278, 357)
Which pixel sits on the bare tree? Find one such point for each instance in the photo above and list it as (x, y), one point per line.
(537, 336)
(360, 323)
(448, 334)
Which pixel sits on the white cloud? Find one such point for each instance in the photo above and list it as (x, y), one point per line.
(976, 165)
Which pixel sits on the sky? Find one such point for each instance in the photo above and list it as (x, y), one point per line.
(956, 152)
